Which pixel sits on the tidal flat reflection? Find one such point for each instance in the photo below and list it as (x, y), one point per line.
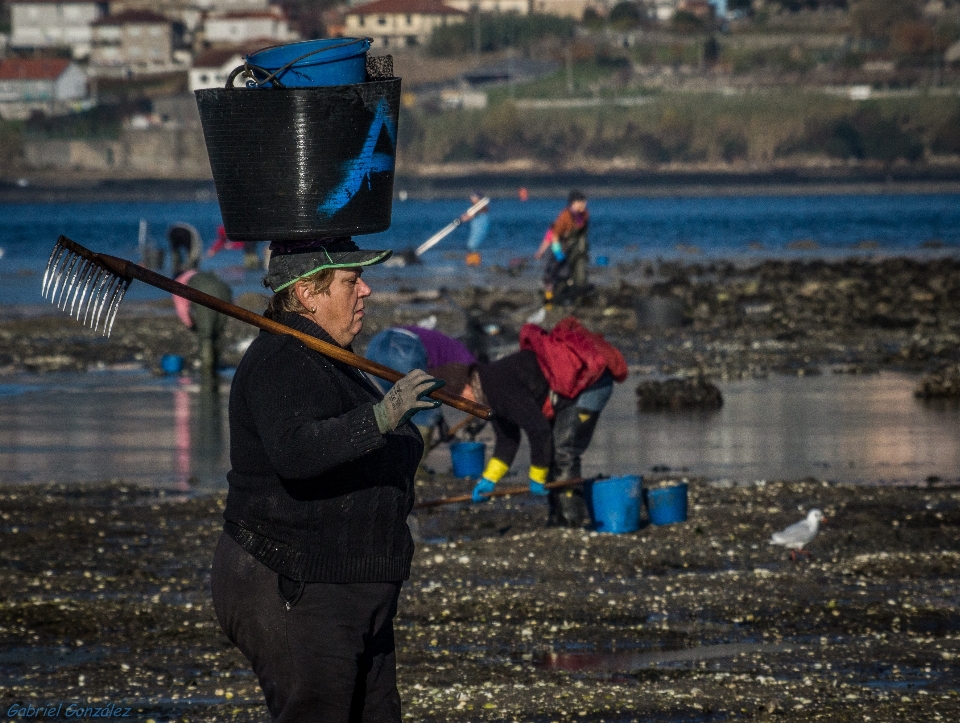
(172, 432)
(837, 427)
(161, 432)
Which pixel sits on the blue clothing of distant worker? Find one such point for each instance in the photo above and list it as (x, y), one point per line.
(413, 347)
(479, 223)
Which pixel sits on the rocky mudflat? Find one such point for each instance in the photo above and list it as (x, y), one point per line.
(106, 585)
(716, 320)
(107, 602)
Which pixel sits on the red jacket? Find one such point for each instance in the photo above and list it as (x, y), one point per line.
(572, 357)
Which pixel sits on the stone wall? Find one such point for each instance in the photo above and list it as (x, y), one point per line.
(146, 153)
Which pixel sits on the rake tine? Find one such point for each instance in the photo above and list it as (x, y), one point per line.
(99, 295)
(103, 293)
(78, 272)
(87, 294)
(91, 299)
(112, 314)
(108, 306)
(112, 283)
(56, 274)
(71, 273)
(65, 268)
(51, 263)
(82, 278)
(63, 295)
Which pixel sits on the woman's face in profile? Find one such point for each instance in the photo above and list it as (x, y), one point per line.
(340, 310)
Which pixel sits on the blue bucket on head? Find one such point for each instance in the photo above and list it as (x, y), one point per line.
(467, 458)
(615, 503)
(666, 505)
(311, 63)
(171, 363)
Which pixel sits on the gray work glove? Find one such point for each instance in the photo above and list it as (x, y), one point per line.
(405, 398)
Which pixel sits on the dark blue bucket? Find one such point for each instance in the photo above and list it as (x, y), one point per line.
(311, 63)
(667, 505)
(467, 459)
(615, 504)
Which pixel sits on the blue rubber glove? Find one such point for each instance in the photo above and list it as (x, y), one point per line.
(482, 490)
(558, 252)
(538, 488)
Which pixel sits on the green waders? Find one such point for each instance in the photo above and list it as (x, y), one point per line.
(207, 323)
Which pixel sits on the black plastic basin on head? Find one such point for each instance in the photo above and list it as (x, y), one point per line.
(302, 163)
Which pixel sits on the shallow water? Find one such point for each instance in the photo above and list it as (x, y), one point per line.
(837, 427)
(161, 432)
(750, 228)
(171, 433)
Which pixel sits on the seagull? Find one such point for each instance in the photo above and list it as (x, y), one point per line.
(799, 534)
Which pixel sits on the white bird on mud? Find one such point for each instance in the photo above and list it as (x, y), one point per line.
(799, 534)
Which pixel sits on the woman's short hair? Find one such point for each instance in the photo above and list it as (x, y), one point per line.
(286, 299)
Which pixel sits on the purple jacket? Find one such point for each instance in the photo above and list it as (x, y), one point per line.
(441, 349)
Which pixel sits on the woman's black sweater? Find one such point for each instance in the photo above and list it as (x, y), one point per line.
(316, 491)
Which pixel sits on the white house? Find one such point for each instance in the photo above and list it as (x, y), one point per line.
(400, 23)
(54, 24)
(231, 28)
(517, 7)
(567, 8)
(132, 42)
(50, 85)
(211, 68)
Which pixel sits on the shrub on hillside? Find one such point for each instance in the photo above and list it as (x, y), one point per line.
(11, 145)
(864, 135)
(625, 15)
(875, 19)
(687, 23)
(946, 138)
(497, 32)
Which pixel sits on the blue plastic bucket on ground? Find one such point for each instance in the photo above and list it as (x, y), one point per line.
(311, 63)
(467, 458)
(171, 363)
(667, 505)
(615, 504)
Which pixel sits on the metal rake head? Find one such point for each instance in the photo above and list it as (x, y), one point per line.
(81, 280)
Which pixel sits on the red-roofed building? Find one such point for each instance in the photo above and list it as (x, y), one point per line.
(400, 23)
(133, 42)
(244, 26)
(50, 85)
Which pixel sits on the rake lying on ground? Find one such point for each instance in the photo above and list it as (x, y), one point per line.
(503, 492)
(92, 285)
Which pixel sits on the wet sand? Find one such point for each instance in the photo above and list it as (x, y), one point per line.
(106, 586)
(107, 602)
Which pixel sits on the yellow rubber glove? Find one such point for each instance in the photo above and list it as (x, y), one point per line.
(495, 470)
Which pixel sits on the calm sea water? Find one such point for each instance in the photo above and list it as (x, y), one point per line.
(621, 229)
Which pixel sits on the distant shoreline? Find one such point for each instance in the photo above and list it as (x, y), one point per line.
(778, 182)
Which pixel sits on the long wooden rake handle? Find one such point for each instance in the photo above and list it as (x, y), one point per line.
(128, 269)
(576, 481)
